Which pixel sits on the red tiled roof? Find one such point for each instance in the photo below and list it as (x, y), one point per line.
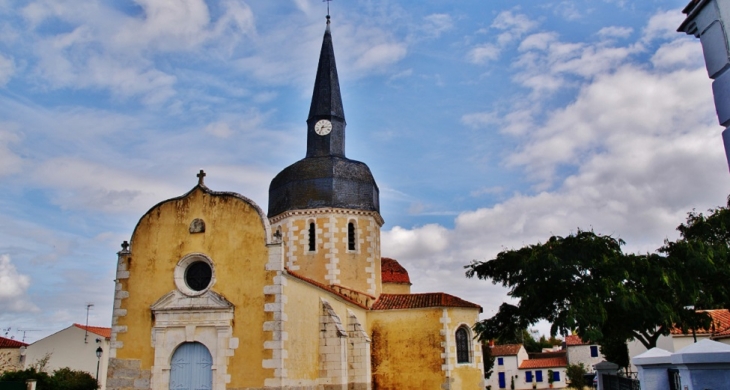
(10, 343)
(98, 330)
(506, 349)
(392, 272)
(544, 363)
(720, 326)
(574, 339)
(419, 301)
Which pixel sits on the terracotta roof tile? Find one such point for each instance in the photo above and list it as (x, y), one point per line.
(419, 301)
(392, 272)
(545, 363)
(98, 330)
(506, 349)
(720, 326)
(10, 343)
(574, 339)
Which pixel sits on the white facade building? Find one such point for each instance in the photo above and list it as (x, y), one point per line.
(579, 352)
(513, 365)
(74, 347)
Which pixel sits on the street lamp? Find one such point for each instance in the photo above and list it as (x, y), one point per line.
(99, 351)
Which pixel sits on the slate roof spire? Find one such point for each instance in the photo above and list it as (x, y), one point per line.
(326, 104)
(325, 178)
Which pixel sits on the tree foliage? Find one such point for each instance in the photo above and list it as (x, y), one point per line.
(585, 283)
(576, 376)
(62, 379)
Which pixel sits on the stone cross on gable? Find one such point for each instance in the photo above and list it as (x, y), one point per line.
(200, 176)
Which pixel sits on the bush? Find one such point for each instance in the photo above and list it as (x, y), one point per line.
(62, 379)
(43, 380)
(68, 379)
(576, 375)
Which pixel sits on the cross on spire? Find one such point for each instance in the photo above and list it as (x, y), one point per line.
(328, 8)
(200, 176)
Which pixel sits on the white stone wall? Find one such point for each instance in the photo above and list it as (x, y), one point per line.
(582, 354)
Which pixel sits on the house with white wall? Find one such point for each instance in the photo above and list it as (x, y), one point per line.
(74, 347)
(513, 365)
(719, 330)
(579, 351)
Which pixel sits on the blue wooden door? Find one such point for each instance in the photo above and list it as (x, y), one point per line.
(190, 368)
(502, 382)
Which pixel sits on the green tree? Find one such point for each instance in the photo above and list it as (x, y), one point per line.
(576, 375)
(584, 282)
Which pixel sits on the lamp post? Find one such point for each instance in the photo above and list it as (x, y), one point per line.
(99, 351)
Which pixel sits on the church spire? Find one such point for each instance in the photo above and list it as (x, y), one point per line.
(326, 121)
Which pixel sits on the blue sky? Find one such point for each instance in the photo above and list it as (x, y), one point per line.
(487, 125)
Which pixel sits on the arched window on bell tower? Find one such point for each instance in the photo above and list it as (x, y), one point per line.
(351, 236)
(312, 236)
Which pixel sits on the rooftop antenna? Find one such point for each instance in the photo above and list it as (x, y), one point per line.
(86, 329)
(27, 330)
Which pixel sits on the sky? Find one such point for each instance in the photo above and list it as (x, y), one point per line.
(488, 125)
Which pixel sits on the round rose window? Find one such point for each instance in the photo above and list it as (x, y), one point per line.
(198, 275)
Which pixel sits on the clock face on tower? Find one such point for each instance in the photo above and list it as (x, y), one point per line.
(323, 127)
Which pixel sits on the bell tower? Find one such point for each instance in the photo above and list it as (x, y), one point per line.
(326, 207)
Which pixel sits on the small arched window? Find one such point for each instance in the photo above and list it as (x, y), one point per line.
(351, 237)
(462, 345)
(312, 236)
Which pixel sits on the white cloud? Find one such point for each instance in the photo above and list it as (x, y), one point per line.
(615, 32)
(380, 55)
(13, 288)
(513, 27)
(663, 25)
(483, 53)
(514, 24)
(86, 185)
(436, 24)
(219, 129)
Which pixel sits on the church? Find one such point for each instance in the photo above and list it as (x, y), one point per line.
(211, 292)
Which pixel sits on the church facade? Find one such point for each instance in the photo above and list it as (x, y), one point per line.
(214, 293)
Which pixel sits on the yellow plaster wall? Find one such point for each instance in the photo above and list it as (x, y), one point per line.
(465, 376)
(352, 265)
(406, 349)
(396, 288)
(235, 240)
(303, 310)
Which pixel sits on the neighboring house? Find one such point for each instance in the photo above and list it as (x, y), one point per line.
(579, 351)
(535, 373)
(512, 365)
(74, 347)
(11, 354)
(719, 331)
